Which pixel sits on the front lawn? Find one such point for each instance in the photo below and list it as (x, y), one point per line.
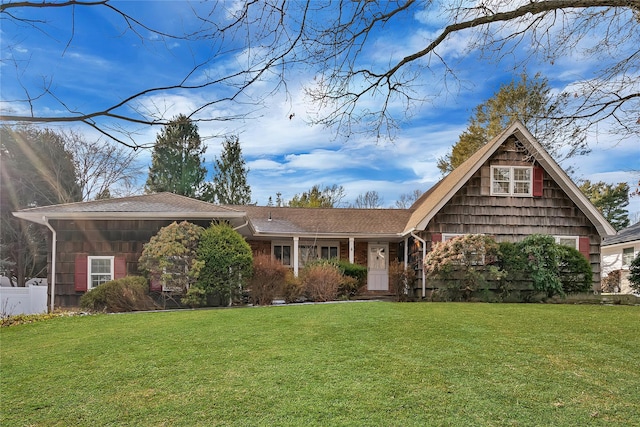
(360, 364)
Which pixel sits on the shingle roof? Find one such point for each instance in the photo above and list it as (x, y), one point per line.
(326, 221)
(425, 208)
(629, 234)
(147, 206)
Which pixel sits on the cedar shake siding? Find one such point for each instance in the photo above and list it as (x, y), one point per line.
(535, 197)
(510, 218)
(79, 239)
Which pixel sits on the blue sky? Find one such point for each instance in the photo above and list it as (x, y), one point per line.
(99, 63)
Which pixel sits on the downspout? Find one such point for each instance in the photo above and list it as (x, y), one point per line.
(240, 226)
(53, 262)
(424, 254)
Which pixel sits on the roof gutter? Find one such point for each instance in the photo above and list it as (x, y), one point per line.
(240, 226)
(53, 262)
(424, 255)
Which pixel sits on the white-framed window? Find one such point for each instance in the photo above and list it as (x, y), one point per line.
(449, 236)
(99, 270)
(511, 181)
(307, 252)
(571, 241)
(627, 256)
(283, 253)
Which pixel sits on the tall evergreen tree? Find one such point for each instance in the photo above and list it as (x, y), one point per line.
(36, 169)
(229, 186)
(611, 200)
(527, 100)
(176, 162)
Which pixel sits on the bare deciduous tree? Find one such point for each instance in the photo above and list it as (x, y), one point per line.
(103, 167)
(369, 200)
(333, 41)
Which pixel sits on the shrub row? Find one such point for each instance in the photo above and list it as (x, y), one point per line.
(321, 280)
(464, 265)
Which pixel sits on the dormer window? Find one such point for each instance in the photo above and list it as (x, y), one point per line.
(511, 180)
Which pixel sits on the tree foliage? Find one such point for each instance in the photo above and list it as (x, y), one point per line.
(332, 42)
(36, 169)
(176, 162)
(611, 200)
(170, 257)
(229, 184)
(228, 263)
(634, 274)
(465, 264)
(327, 197)
(529, 101)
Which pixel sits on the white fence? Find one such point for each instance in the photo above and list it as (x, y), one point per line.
(28, 300)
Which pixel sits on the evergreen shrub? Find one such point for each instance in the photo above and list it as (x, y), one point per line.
(170, 257)
(634, 274)
(227, 264)
(130, 293)
(574, 271)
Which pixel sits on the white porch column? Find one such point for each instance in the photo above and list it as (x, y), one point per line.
(295, 255)
(352, 250)
(406, 252)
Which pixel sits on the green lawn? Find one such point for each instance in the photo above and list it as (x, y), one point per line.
(360, 364)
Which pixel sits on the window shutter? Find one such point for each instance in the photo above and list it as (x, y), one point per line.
(119, 267)
(584, 246)
(538, 179)
(155, 285)
(80, 275)
(436, 237)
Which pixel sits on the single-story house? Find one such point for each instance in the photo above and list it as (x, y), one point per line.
(617, 253)
(510, 188)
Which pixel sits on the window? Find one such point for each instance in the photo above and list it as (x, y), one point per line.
(100, 270)
(627, 256)
(449, 236)
(571, 241)
(328, 252)
(511, 180)
(282, 253)
(307, 252)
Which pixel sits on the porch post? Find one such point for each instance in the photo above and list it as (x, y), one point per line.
(406, 252)
(295, 255)
(352, 250)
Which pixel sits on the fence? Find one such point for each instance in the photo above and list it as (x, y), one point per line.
(28, 300)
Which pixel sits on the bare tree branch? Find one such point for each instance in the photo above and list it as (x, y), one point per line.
(332, 41)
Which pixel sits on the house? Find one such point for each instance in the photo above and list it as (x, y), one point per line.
(509, 189)
(617, 253)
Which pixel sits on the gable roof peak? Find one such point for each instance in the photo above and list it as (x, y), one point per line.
(430, 203)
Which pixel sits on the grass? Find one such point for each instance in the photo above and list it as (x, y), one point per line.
(374, 364)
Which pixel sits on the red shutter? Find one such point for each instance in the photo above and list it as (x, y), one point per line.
(436, 237)
(155, 286)
(538, 179)
(584, 246)
(80, 275)
(119, 267)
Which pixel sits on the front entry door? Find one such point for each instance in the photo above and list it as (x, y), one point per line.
(378, 266)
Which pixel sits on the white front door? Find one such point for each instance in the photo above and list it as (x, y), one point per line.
(378, 265)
